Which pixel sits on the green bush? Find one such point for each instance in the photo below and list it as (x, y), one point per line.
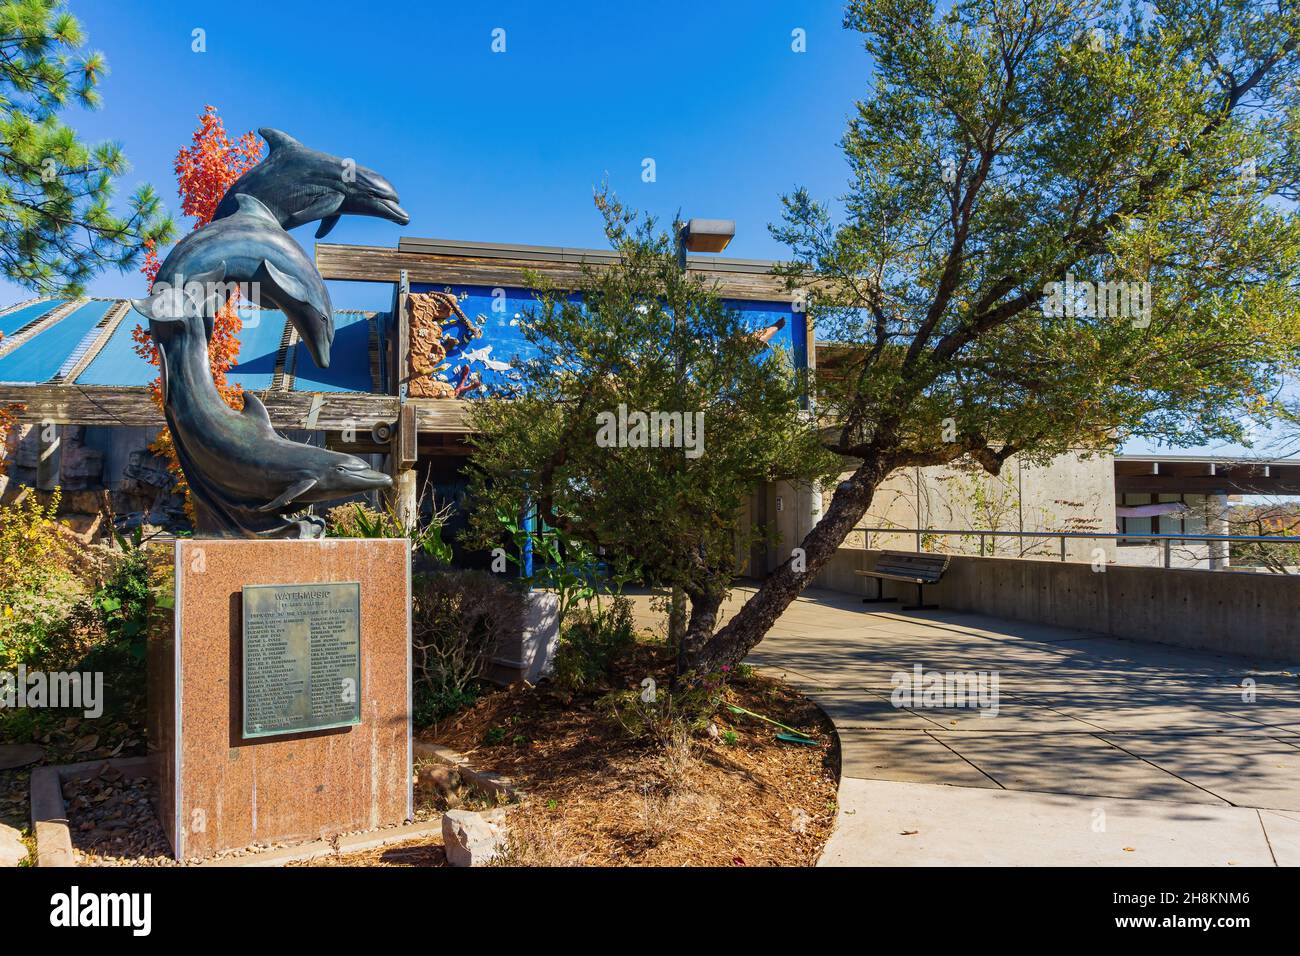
(432, 705)
(592, 640)
(121, 603)
(39, 591)
(662, 713)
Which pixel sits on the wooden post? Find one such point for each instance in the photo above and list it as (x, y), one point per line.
(402, 458)
(49, 461)
(403, 444)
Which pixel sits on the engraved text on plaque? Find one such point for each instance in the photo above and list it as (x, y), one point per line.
(302, 657)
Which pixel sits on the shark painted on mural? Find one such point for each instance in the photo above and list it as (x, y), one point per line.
(300, 185)
(483, 355)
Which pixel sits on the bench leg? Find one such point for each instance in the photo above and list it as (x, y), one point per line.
(920, 604)
(880, 594)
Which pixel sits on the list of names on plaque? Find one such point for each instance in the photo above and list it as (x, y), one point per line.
(302, 657)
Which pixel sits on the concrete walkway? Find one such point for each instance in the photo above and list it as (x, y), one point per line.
(1102, 751)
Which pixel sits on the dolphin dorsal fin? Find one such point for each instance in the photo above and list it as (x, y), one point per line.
(276, 139)
(253, 206)
(254, 409)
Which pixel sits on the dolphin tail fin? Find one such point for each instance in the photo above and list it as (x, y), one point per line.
(145, 307)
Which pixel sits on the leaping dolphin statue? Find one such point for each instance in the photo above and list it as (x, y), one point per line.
(249, 248)
(246, 479)
(300, 184)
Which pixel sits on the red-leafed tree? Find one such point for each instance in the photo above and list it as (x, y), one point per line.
(204, 171)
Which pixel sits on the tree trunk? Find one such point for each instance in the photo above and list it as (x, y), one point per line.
(850, 502)
(677, 623)
(703, 619)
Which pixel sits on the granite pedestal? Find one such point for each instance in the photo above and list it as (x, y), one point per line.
(224, 786)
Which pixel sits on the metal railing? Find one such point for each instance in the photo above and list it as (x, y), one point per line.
(1167, 540)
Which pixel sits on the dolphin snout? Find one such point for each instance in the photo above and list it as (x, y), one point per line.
(317, 334)
(358, 476)
(394, 212)
(318, 347)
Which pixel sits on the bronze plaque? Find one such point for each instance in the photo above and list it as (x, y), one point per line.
(302, 657)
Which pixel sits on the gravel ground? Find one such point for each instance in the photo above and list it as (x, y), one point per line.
(113, 821)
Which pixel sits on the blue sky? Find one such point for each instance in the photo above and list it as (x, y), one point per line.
(498, 147)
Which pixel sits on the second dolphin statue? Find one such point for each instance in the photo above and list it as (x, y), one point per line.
(250, 250)
(300, 184)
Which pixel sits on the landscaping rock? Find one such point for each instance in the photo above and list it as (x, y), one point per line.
(445, 781)
(473, 839)
(12, 850)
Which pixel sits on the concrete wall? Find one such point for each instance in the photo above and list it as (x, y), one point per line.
(792, 509)
(1073, 492)
(1255, 615)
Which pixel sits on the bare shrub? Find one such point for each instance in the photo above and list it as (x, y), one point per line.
(457, 619)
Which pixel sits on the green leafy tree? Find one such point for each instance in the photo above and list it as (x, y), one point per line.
(57, 227)
(1009, 145)
(651, 339)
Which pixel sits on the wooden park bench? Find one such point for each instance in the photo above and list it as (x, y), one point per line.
(911, 568)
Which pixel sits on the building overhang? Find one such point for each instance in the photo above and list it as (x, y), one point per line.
(502, 264)
(1203, 475)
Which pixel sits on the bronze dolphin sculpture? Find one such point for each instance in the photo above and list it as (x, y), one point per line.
(246, 479)
(300, 184)
(247, 249)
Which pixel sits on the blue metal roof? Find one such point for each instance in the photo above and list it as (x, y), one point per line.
(259, 349)
(58, 349)
(11, 322)
(116, 363)
(42, 356)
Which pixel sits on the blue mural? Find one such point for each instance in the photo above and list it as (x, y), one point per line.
(503, 343)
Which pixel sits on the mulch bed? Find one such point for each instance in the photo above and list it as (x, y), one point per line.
(591, 794)
(594, 796)
(410, 853)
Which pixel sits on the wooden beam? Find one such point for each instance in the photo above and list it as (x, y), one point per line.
(442, 415)
(402, 339)
(381, 264)
(325, 411)
(405, 442)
